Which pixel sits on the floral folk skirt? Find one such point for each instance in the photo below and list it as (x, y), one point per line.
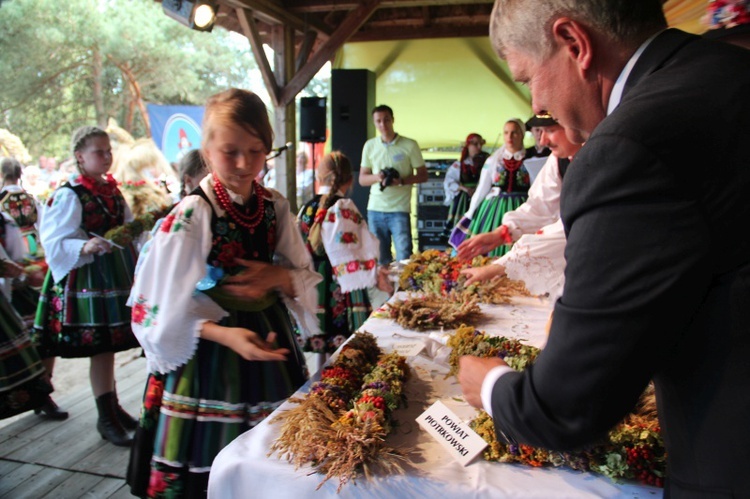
(21, 385)
(85, 314)
(190, 414)
(339, 313)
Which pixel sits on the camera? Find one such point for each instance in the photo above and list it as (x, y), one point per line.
(389, 175)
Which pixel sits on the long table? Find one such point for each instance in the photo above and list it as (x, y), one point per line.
(243, 469)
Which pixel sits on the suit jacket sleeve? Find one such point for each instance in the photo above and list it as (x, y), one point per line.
(637, 268)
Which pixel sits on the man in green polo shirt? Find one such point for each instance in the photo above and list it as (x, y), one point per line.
(390, 195)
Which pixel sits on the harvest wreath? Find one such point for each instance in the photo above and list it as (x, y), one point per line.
(436, 272)
(431, 311)
(634, 449)
(340, 426)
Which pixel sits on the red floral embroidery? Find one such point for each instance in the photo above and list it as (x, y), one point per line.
(154, 393)
(138, 313)
(352, 266)
(167, 223)
(369, 264)
(320, 216)
(55, 325)
(229, 252)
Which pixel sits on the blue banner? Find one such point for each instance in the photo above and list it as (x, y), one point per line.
(175, 129)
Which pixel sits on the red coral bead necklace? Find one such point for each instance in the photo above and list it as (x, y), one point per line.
(246, 221)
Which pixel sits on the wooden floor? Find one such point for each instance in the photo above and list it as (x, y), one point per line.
(68, 459)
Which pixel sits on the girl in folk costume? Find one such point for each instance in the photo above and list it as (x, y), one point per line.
(21, 208)
(344, 251)
(191, 170)
(23, 381)
(503, 186)
(211, 307)
(82, 309)
(461, 179)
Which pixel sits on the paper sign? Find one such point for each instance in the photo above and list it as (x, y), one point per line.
(408, 348)
(462, 443)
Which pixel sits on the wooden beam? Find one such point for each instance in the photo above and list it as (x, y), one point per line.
(419, 32)
(307, 6)
(308, 42)
(354, 20)
(273, 11)
(426, 16)
(250, 29)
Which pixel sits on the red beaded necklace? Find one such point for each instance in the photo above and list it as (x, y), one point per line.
(246, 221)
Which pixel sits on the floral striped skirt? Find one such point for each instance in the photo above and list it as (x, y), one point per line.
(86, 313)
(21, 385)
(339, 313)
(190, 414)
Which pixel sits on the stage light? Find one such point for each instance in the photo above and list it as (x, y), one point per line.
(204, 15)
(195, 14)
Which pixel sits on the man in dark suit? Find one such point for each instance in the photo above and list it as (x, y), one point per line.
(656, 210)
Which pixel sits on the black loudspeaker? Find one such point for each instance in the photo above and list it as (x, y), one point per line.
(312, 119)
(352, 100)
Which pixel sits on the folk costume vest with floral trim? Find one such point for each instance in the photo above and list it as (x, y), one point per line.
(231, 241)
(511, 176)
(21, 207)
(471, 169)
(102, 211)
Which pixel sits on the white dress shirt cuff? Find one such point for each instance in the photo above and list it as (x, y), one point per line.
(489, 383)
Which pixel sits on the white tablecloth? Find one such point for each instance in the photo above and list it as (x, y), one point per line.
(243, 468)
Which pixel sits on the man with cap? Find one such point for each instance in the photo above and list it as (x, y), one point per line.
(543, 205)
(534, 125)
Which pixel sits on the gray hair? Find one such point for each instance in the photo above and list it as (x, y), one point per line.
(525, 24)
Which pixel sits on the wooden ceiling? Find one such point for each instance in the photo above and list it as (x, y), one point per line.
(378, 19)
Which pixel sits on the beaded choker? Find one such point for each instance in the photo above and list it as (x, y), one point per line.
(247, 221)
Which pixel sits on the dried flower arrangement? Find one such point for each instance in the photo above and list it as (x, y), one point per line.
(431, 311)
(436, 272)
(633, 450)
(340, 427)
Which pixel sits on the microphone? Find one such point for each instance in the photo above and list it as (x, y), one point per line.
(276, 151)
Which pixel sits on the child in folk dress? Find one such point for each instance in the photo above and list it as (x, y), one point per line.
(211, 307)
(82, 307)
(344, 252)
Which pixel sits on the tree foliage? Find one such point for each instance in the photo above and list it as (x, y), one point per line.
(66, 64)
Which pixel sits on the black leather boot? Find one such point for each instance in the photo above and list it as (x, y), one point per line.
(50, 410)
(126, 420)
(108, 425)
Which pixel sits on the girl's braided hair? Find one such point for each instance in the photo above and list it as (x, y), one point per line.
(81, 138)
(335, 170)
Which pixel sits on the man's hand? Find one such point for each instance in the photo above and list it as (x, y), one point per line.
(478, 245)
(471, 374)
(481, 274)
